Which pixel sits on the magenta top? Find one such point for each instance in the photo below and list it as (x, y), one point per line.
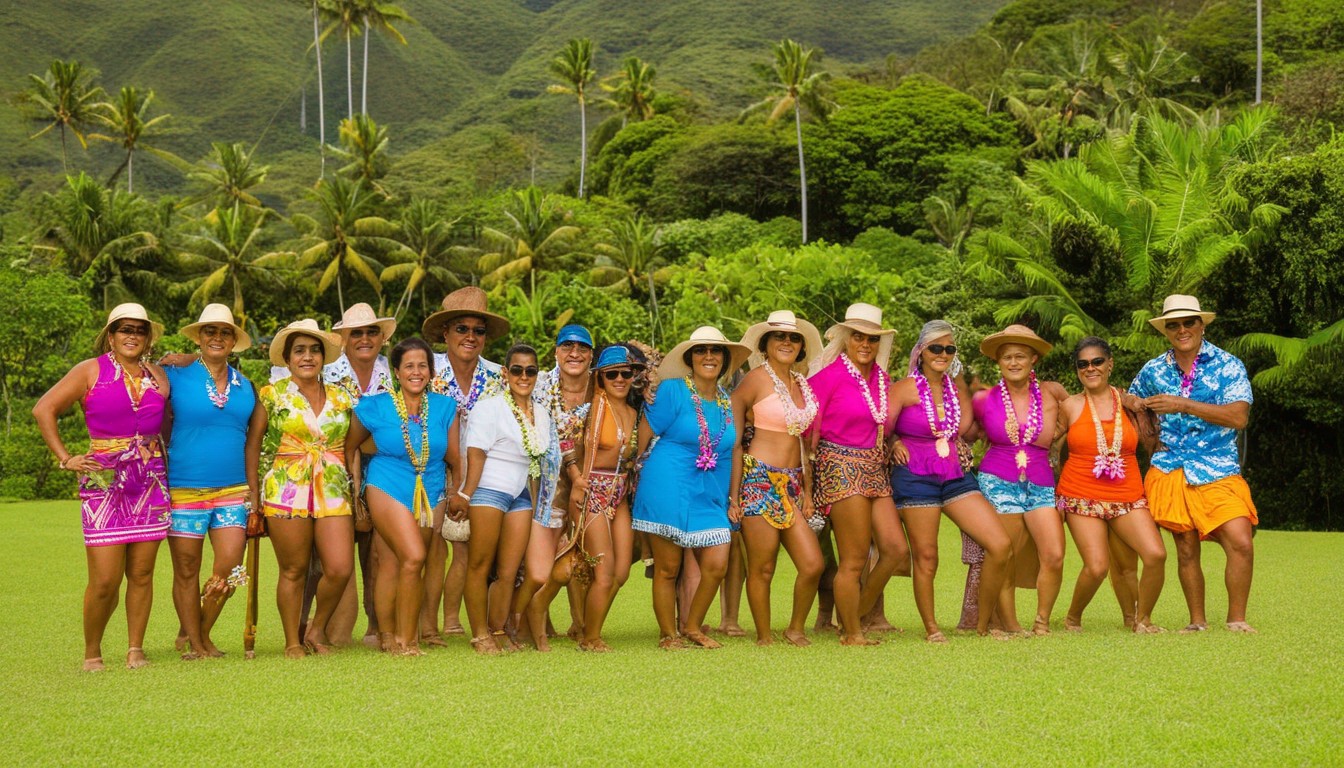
(1001, 458)
(912, 426)
(108, 411)
(843, 417)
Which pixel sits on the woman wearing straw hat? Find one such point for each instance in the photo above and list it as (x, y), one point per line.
(1018, 417)
(414, 435)
(930, 478)
(306, 489)
(771, 493)
(217, 422)
(595, 488)
(506, 439)
(684, 484)
(122, 484)
(850, 479)
(464, 326)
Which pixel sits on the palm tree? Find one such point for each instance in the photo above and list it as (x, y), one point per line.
(321, 96)
(538, 233)
(631, 90)
(797, 87)
(227, 174)
(427, 236)
(342, 229)
(364, 150)
(346, 16)
(379, 16)
(63, 98)
(574, 66)
(126, 116)
(226, 250)
(632, 260)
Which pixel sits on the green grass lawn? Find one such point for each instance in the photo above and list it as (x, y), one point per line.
(1103, 697)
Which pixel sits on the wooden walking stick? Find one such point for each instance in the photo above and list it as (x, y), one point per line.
(250, 622)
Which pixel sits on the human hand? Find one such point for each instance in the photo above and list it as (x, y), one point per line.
(809, 509)
(177, 360)
(82, 463)
(900, 455)
(734, 512)
(457, 508)
(1165, 403)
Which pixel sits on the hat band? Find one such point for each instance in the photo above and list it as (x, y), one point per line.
(1182, 309)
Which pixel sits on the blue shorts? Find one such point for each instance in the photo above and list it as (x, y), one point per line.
(486, 497)
(913, 490)
(201, 518)
(1016, 498)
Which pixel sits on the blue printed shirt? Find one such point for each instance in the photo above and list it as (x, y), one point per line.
(1207, 452)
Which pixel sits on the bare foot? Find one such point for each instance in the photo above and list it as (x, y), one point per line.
(317, 642)
(594, 646)
(575, 632)
(485, 646)
(542, 644)
(408, 650)
(671, 642)
(94, 664)
(295, 652)
(1040, 627)
(1192, 628)
(191, 655)
(180, 642)
(1006, 634)
(453, 629)
(135, 658)
(1073, 625)
(211, 651)
(1147, 628)
(387, 641)
(825, 626)
(859, 640)
(433, 639)
(797, 637)
(936, 637)
(703, 640)
(371, 640)
(1241, 626)
(767, 640)
(503, 641)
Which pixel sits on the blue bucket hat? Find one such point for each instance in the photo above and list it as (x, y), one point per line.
(616, 354)
(574, 332)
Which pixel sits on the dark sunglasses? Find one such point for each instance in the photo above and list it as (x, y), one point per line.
(1095, 362)
(1189, 322)
(359, 333)
(870, 339)
(132, 330)
(702, 349)
(528, 372)
(215, 332)
(474, 330)
(796, 338)
(939, 349)
(571, 346)
(613, 375)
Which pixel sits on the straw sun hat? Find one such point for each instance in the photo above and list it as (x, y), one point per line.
(128, 311)
(1014, 334)
(464, 302)
(865, 319)
(1177, 306)
(361, 315)
(673, 367)
(331, 342)
(218, 314)
(783, 320)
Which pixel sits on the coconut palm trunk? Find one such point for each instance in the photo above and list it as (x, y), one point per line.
(364, 73)
(349, 76)
(802, 167)
(321, 98)
(130, 171)
(583, 144)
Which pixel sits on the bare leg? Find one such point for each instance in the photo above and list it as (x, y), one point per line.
(1090, 537)
(481, 550)
(1140, 532)
(1016, 529)
(140, 559)
(686, 589)
(107, 568)
(893, 555)
(1047, 531)
(228, 544)
(403, 574)
(713, 562)
(826, 587)
(292, 540)
(974, 515)
(730, 594)
(435, 577)
(921, 525)
(368, 565)
(1235, 536)
(762, 540)
(852, 519)
(453, 588)
(667, 560)
(335, 538)
(514, 533)
(385, 591)
(803, 549)
(186, 554)
(1191, 574)
(1124, 577)
(537, 565)
(598, 541)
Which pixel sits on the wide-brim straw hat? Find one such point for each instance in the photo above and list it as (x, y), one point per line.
(672, 366)
(464, 302)
(361, 315)
(864, 318)
(331, 342)
(218, 314)
(783, 320)
(1179, 305)
(1014, 334)
(128, 311)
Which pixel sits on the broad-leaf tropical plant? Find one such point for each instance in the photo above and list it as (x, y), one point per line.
(538, 233)
(631, 260)
(226, 249)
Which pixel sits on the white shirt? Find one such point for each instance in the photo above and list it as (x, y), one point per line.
(493, 429)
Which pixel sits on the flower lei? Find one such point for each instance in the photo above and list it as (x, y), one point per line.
(567, 424)
(797, 419)
(449, 387)
(1023, 435)
(878, 412)
(1188, 379)
(220, 399)
(423, 511)
(135, 389)
(950, 425)
(532, 444)
(709, 458)
(1108, 463)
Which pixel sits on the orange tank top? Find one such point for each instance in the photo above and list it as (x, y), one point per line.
(768, 414)
(1077, 479)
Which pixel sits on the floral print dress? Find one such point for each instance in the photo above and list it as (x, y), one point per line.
(303, 453)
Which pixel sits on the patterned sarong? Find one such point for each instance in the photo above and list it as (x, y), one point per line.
(127, 502)
(842, 471)
(773, 493)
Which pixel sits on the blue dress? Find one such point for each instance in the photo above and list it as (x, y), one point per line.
(205, 449)
(675, 499)
(390, 469)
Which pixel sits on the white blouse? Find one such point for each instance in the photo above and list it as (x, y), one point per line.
(492, 428)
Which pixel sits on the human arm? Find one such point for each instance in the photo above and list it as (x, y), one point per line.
(354, 464)
(257, 424)
(899, 454)
(742, 400)
(1234, 414)
(178, 359)
(457, 506)
(69, 390)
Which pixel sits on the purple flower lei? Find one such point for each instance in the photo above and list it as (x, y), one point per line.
(950, 426)
(708, 458)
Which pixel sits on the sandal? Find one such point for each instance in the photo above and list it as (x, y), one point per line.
(485, 646)
(94, 664)
(1147, 628)
(434, 639)
(141, 663)
(1241, 626)
(702, 640)
(936, 637)
(1190, 629)
(302, 651)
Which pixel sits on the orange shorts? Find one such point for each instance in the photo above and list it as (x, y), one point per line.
(1181, 508)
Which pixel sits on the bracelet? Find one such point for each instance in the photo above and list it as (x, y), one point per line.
(463, 496)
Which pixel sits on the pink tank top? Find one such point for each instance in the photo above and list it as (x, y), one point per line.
(108, 410)
(768, 414)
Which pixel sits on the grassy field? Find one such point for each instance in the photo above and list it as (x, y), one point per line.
(1104, 697)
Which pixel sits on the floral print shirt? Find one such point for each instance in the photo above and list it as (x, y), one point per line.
(303, 453)
(342, 374)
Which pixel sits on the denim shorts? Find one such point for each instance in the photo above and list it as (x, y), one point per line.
(913, 490)
(488, 497)
(1015, 498)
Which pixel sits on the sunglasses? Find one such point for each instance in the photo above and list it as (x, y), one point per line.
(860, 338)
(214, 332)
(528, 372)
(613, 375)
(711, 349)
(1096, 362)
(574, 346)
(359, 333)
(132, 330)
(796, 338)
(1189, 322)
(939, 349)
(475, 330)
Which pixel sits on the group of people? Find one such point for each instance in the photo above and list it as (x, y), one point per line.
(448, 478)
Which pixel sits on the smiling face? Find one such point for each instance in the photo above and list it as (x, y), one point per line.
(521, 374)
(707, 361)
(574, 358)
(862, 348)
(413, 373)
(1015, 362)
(617, 380)
(786, 347)
(937, 355)
(1185, 334)
(1094, 368)
(362, 344)
(465, 337)
(304, 358)
(217, 342)
(129, 339)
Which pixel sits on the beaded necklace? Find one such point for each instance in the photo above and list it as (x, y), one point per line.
(533, 447)
(135, 387)
(878, 412)
(1108, 463)
(797, 419)
(220, 399)
(424, 513)
(1022, 435)
(708, 458)
(568, 424)
(949, 426)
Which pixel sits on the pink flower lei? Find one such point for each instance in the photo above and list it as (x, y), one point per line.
(1188, 379)
(708, 458)
(950, 426)
(1022, 435)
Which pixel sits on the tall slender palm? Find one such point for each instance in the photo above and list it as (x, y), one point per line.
(226, 250)
(125, 115)
(574, 66)
(427, 237)
(321, 96)
(797, 87)
(538, 234)
(631, 90)
(345, 16)
(227, 175)
(335, 238)
(378, 16)
(364, 150)
(63, 98)
(632, 259)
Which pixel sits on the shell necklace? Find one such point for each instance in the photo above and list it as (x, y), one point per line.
(797, 419)
(220, 399)
(878, 412)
